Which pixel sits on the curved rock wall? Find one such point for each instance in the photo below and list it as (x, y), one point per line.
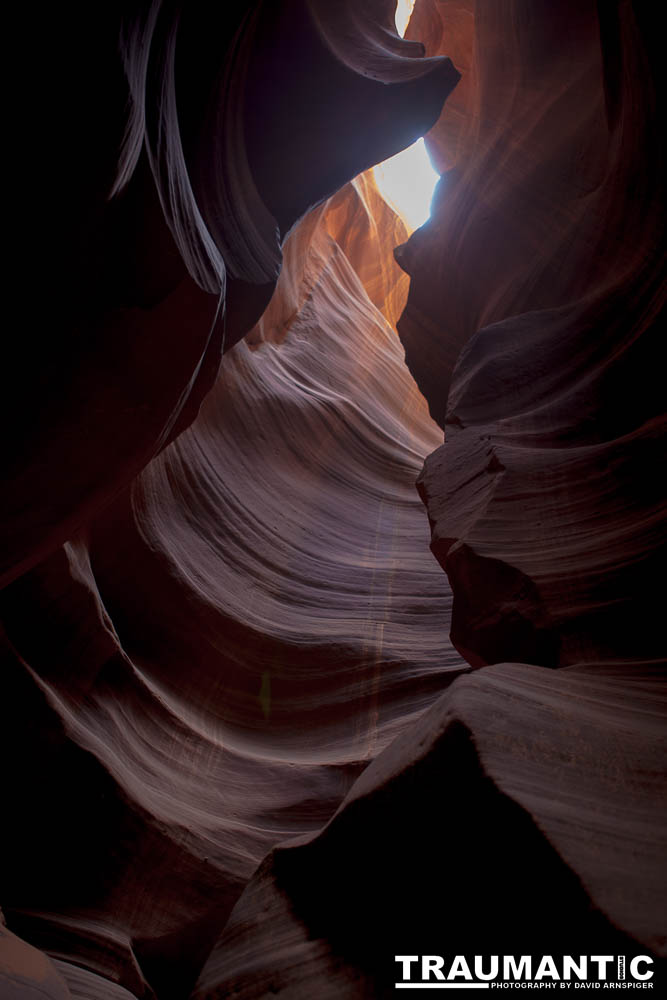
(225, 641)
(184, 147)
(210, 661)
(525, 811)
(282, 621)
(545, 259)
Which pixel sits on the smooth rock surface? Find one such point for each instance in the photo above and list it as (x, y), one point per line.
(518, 816)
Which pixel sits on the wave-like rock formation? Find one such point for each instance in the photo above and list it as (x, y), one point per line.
(526, 810)
(242, 757)
(228, 635)
(281, 623)
(189, 153)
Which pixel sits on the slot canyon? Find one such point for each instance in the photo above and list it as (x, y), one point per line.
(332, 551)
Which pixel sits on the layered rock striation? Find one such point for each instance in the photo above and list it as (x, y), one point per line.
(525, 811)
(220, 603)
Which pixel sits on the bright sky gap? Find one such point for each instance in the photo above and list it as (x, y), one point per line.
(404, 9)
(407, 180)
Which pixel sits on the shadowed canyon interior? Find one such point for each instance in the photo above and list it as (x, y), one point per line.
(332, 626)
